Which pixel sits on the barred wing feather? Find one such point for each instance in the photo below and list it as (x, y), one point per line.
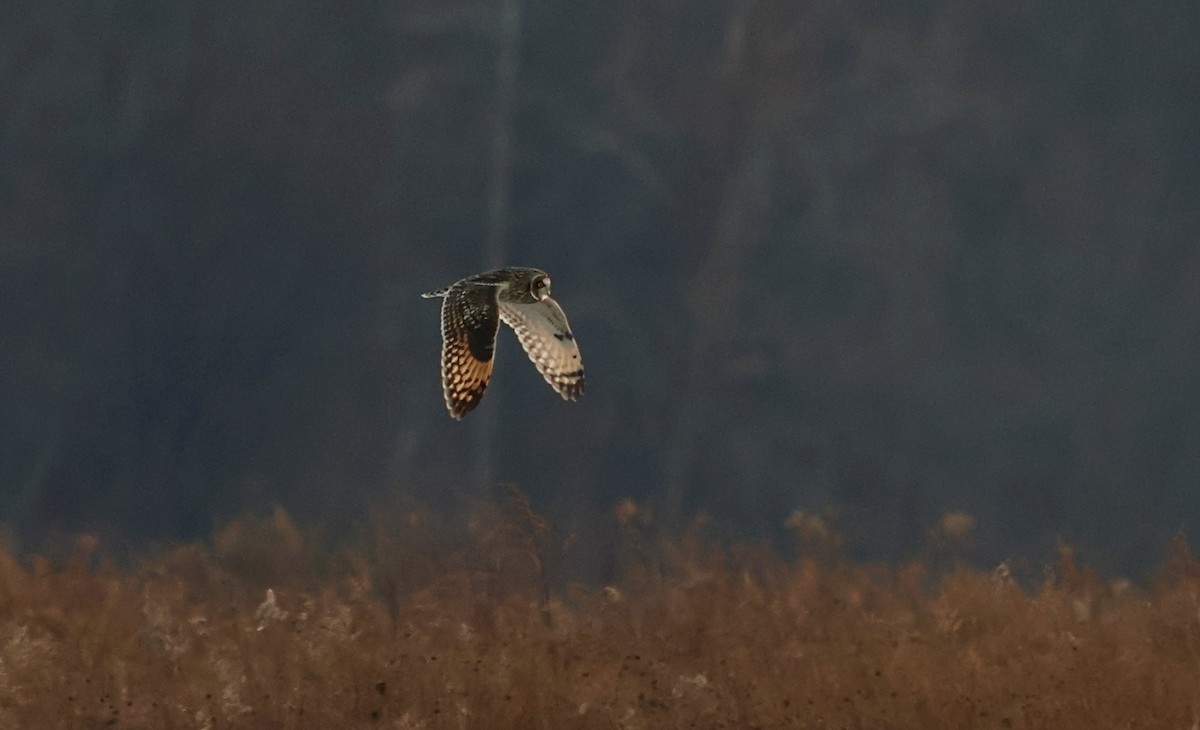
(543, 331)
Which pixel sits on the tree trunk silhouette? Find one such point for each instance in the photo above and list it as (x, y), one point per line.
(495, 253)
(715, 291)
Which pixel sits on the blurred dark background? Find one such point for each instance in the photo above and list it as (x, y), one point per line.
(885, 258)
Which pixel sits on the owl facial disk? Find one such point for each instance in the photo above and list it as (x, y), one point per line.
(540, 288)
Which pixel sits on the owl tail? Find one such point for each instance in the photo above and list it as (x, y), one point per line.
(436, 293)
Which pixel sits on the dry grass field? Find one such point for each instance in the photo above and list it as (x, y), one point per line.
(405, 631)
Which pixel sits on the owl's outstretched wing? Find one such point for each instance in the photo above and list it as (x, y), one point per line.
(544, 333)
(470, 320)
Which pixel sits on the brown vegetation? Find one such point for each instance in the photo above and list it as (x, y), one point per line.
(263, 629)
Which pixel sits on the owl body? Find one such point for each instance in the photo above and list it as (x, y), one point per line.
(472, 309)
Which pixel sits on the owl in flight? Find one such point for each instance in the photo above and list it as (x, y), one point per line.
(471, 313)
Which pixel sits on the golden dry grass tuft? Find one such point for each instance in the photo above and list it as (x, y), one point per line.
(260, 630)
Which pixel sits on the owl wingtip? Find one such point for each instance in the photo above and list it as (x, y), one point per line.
(572, 391)
(459, 409)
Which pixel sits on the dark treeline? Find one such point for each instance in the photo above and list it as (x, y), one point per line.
(893, 258)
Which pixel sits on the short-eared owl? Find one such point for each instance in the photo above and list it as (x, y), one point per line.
(471, 312)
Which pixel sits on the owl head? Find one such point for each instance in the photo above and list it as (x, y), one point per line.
(539, 286)
(526, 285)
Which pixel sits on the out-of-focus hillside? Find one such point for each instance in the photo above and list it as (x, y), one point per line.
(891, 258)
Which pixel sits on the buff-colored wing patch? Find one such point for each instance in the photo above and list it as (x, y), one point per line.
(469, 325)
